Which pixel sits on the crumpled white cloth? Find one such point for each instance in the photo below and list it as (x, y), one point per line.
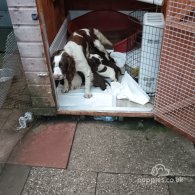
(119, 58)
(129, 89)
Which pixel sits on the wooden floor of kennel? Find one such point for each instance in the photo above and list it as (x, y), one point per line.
(175, 100)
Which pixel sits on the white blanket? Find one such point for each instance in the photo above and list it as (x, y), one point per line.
(129, 89)
(119, 58)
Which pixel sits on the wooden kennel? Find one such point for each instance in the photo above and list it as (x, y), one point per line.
(37, 22)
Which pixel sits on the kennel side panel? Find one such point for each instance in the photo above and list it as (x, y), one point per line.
(34, 64)
(30, 43)
(21, 3)
(28, 34)
(175, 99)
(23, 16)
(54, 15)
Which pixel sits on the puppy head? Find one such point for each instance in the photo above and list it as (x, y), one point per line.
(55, 61)
(111, 63)
(99, 81)
(95, 56)
(94, 61)
(63, 65)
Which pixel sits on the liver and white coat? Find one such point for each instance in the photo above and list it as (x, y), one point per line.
(96, 64)
(73, 57)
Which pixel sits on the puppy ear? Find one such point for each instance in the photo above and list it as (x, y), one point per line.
(67, 65)
(94, 61)
(99, 81)
(55, 54)
(52, 58)
(93, 65)
(71, 66)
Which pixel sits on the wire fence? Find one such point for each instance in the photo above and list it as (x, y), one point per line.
(144, 59)
(175, 100)
(9, 60)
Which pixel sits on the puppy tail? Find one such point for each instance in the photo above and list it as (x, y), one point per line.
(101, 37)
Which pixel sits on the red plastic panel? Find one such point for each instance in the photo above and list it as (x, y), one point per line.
(104, 5)
(106, 20)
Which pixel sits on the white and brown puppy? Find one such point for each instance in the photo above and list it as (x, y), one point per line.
(59, 78)
(72, 58)
(95, 62)
(75, 84)
(106, 59)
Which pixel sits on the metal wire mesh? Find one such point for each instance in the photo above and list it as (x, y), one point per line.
(8, 66)
(143, 61)
(175, 100)
(3, 5)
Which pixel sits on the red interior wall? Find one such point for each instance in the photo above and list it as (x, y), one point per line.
(104, 4)
(55, 10)
(54, 15)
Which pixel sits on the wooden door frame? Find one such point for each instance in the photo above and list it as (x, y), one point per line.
(46, 48)
(181, 104)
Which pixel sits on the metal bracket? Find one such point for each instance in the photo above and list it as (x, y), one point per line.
(43, 74)
(35, 16)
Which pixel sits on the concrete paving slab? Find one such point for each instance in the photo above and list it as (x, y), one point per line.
(186, 187)
(2, 122)
(8, 139)
(46, 145)
(17, 96)
(4, 113)
(47, 181)
(12, 121)
(2, 165)
(125, 184)
(8, 134)
(117, 148)
(12, 179)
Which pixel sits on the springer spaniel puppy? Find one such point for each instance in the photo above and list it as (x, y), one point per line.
(72, 58)
(100, 81)
(107, 60)
(75, 83)
(95, 62)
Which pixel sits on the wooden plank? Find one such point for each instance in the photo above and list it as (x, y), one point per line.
(23, 16)
(164, 7)
(44, 111)
(34, 64)
(105, 113)
(54, 15)
(46, 45)
(21, 3)
(40, 91)
(106, 5)
(60, 39)
(28, 33)
(42, 102)
(31, 50)
(36, 78)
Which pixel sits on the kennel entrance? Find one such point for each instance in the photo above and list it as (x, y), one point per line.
(175, 90)
(172, 103)
(106, 101)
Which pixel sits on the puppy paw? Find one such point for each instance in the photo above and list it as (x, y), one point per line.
(87, 95)
(76, 87)
(64, 90)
